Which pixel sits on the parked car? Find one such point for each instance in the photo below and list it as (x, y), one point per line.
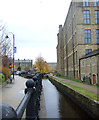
(17, 72)
(23, 73)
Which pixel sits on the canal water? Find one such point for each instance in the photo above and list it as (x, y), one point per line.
(58, 105)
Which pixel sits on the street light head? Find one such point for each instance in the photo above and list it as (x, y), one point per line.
(6, 36)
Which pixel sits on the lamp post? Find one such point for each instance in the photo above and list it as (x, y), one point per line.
(13, 49)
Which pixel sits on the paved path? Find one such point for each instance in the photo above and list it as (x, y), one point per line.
(12, 95)
(42, 112)
(84, 86)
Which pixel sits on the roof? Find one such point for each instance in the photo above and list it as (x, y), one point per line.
(22, 61)
(52, 63)
(93, 53)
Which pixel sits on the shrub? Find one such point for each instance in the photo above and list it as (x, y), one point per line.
(4, 67)
(58, 74)
(6, 72)
(2, 78)
(19, 68)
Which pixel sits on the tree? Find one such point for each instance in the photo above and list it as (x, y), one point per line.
(5, 43)
(5, 51)
(19, 68)
(41, 65)
(4, 68)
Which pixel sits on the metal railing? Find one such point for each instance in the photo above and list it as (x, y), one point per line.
(30, 102)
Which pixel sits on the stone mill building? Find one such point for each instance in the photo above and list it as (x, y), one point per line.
(78, 37)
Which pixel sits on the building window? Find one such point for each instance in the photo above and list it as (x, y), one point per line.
(85, 3)
(87, 36)
(87, 51)
(97, 36)
(96, 3)
(97, 16)
(86, 14)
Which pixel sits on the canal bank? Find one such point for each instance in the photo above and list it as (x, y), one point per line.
(87, 104)
(59, 106)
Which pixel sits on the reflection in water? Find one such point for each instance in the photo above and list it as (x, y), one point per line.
(51, 99)
(58, 105)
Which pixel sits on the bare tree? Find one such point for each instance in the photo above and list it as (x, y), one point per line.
(5, 43)
(5, 51)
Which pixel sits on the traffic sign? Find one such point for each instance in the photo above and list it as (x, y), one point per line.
(14, 49)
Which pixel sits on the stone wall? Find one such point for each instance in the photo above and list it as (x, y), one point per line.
(87, 104)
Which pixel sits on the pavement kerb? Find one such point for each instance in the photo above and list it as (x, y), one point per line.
(42, 112)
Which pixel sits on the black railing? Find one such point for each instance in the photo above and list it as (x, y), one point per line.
(30, 102)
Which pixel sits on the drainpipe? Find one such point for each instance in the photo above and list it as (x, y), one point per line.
(79, 70)
(66, 55)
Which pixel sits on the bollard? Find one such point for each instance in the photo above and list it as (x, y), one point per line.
(8, 112)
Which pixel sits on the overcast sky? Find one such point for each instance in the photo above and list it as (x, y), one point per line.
(35, 25)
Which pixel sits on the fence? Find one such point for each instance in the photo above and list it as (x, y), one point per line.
(30, 102)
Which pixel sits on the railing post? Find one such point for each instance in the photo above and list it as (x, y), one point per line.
(36, 96)
(39, 87)
(30, 108)
(36, 78)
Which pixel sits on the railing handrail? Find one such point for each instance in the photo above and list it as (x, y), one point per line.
(20, 109)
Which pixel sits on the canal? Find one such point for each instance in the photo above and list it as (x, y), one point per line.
(58, 105)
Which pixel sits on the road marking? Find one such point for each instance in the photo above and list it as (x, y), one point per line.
(21, 91)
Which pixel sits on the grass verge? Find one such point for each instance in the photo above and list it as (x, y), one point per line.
(79, 81)
(81, 90)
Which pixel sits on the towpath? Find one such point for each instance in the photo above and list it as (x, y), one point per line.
(90, 88)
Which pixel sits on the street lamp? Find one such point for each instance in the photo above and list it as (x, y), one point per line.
(13, 49)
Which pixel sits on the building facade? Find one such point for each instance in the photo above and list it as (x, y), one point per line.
(89, 68)
(60, 51)
(78, 36)
(23, 64)
(52, 66)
